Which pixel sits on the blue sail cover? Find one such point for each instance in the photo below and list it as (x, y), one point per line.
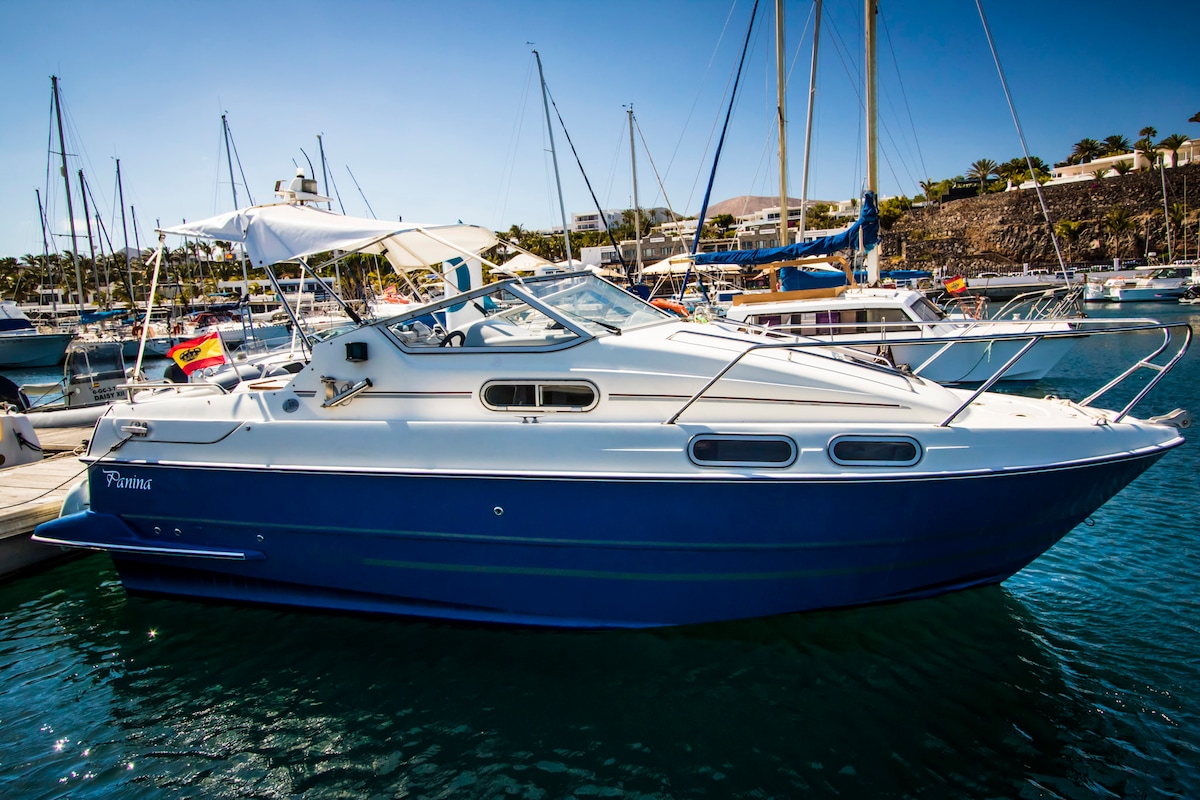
(867, 223)
(89, 317)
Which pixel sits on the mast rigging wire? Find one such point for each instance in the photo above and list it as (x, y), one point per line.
(600, 211)
(1021, 134)
(717, 158)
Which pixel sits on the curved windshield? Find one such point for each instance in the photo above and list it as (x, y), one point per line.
(594, 304)
(548, 312)
(927, 311)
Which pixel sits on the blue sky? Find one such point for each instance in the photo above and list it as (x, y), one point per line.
(435, 108)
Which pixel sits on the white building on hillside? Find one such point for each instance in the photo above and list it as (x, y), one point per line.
(1189, 153)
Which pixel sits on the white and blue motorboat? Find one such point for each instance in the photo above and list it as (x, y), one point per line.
(24, 346)
(555, 451)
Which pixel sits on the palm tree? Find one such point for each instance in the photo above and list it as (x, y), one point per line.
(1011, 171)
(1123, 167)
(1069, 231)
(928, 187)
(1194, 117)
(1148, 132)
(1145, 146)
(981, 170)
(1118, 223)
(1085, 150)
(1115, 145)
(1173, 143)
(1100, 172)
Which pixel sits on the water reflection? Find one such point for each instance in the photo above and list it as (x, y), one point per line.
(959, 696)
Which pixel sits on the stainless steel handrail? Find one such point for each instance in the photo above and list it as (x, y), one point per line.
(132, 389)
(1137, 326)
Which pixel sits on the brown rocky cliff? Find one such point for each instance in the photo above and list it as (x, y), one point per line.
(1007, 229)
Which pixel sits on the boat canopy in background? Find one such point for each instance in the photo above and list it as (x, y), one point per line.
(286, 232)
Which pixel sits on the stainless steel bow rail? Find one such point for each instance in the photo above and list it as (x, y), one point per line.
(1119, 327)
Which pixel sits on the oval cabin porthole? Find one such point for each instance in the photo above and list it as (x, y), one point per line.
(874, 451)
(539, 395)
(714, 450)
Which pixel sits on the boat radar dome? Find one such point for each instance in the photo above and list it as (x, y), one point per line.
(300, 190)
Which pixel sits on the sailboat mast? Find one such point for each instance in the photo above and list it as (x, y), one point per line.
(781, 85)
(62, 148)
(562, 209)
(872, 8)
(46, 256)
(637, 209)
(1166, 214)
(91, 242)
(233, 186)
(812, 94)
(324, 177)
(872, 99)
(229, 161)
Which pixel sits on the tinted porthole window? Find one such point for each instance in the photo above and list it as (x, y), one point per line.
(900, 452)
(510, 394)
(743, 451)
(567, 396)
(532, 395)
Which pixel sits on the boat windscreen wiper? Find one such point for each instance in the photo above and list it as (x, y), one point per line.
(608, 326)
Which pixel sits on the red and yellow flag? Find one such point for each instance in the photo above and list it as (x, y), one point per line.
(203, 351)
(956, 285)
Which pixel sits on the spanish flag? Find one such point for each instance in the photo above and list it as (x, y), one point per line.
(203, 351)
(956, 285)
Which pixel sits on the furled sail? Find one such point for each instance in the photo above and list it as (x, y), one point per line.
(867, 224)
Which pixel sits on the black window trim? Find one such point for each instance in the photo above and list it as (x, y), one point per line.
(883, 438)
(795, 451)
(540, 382)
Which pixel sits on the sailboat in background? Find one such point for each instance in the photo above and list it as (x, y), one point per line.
(818, 301)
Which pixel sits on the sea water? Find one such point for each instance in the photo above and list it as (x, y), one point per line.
(1077, 678)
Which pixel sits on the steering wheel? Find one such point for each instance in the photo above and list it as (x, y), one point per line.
(462, 339)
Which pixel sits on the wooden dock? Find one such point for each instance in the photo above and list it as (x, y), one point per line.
(30, 495)
(62, 440)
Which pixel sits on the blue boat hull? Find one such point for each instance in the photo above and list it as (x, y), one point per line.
(575, 552)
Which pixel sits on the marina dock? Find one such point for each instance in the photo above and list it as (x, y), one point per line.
(31, 494)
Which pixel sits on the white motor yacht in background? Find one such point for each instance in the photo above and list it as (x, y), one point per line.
(1150, 284)
(870, 318)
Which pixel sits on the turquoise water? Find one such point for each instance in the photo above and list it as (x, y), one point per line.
(1078, 678)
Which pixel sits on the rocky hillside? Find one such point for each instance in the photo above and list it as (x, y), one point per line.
(1008, 229)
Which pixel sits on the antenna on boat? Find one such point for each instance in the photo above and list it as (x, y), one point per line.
(300, 190)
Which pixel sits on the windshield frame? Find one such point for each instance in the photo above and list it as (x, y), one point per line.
(545, 295)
